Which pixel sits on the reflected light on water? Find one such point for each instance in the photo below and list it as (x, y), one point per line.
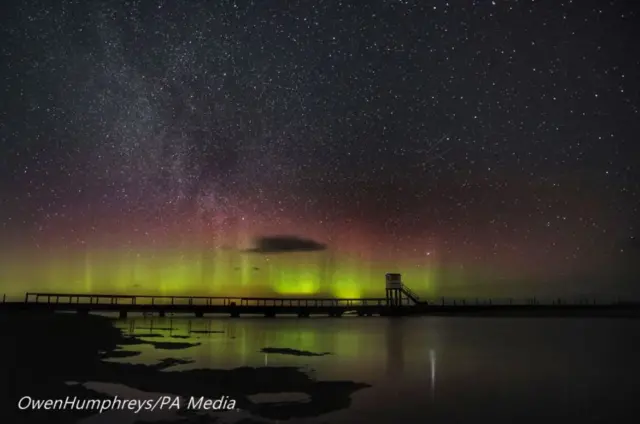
(543, 369)
(432, 362)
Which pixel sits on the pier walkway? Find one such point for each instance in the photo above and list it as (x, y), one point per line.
(200, 305)
(399, 300)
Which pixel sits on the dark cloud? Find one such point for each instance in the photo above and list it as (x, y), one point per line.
(284, 244)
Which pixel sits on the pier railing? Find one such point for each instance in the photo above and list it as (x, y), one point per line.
(121, 299)
(526, 301)
(110, 299)
(410, 293)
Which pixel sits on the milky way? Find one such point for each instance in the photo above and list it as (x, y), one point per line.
(476, 147)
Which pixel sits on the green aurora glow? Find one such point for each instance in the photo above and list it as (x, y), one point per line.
(215, 273)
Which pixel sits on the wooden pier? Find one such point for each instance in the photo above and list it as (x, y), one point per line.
(200, 305)
(398, 301)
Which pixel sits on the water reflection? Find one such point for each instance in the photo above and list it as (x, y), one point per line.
(507, 369)
(432, 365)
(355, 344)
(395, 347)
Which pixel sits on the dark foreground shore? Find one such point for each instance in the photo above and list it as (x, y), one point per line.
(43, 351)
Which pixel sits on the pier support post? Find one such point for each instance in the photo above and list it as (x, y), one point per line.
(123, 314)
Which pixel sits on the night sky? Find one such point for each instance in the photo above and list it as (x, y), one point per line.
(480, 148)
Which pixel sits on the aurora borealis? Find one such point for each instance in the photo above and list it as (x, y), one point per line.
(479, 148)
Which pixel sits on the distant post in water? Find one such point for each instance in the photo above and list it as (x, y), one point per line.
(394, 289)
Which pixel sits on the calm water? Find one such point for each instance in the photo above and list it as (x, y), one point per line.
(437, 369)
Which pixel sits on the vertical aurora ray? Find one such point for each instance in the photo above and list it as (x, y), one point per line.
(207, 272)
(296, 275)
(344, 270)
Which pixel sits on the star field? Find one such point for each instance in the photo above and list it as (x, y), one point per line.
(488, 144)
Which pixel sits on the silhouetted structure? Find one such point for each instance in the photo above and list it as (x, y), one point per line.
(399, 300)
(397, 294)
